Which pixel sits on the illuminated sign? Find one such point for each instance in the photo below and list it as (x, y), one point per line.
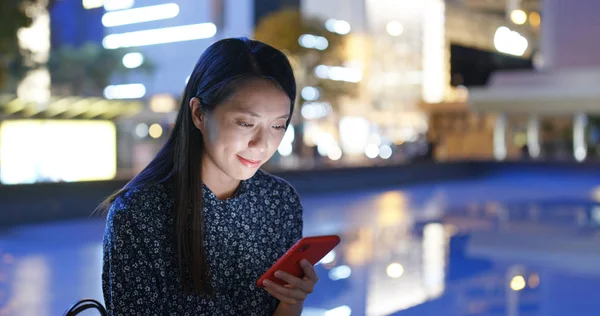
(55, 151)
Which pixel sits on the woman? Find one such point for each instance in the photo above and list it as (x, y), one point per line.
(194, 231)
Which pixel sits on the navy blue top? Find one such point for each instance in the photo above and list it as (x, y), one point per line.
(244, 236)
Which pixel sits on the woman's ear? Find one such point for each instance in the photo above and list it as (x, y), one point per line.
(197, 113)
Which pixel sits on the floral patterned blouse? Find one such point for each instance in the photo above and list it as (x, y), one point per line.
(245, 235)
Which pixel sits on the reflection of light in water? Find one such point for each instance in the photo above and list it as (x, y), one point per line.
(418, 283)
(517, 283)
(392, 209)
(339, 273)
(30, 287)
(311, 311)
(328, 258)
(596, 194)
(339, 311)
(534, 280)
(343, 310)
(451, 230)
(434, 259)
(8, 258)
(359, 251)
(91, 271)
(395, 270)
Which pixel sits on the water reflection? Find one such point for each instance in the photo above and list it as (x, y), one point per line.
(534, 280)
(406, 253)
(340, 273)
(411, 273)
(30, 290)
(471, 248)
(402, 267)
(90, 271)
(434, 259)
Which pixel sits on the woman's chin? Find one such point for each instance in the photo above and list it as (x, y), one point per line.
(245, 174)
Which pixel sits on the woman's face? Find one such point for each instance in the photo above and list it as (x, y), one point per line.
(244, 131)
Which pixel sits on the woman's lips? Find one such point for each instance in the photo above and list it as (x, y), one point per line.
(248, 162)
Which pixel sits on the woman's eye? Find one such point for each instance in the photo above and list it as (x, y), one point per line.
(279, 127)
(245, 124)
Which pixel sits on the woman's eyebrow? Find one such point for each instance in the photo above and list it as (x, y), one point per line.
(254, 114)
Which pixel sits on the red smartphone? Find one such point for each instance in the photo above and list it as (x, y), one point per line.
(312, 249)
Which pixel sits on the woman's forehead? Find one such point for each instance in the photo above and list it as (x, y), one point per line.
(259, 99)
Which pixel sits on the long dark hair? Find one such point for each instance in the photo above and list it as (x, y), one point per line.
(221, 68)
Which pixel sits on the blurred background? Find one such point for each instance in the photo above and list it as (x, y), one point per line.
(453, 144)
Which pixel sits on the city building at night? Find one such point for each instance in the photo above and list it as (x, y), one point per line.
(137, 107)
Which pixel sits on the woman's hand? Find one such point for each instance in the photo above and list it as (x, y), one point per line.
(296, 290)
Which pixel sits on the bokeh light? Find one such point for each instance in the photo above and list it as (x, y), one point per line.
(517, 283)
(155, 130)
(518, 17)
(394, 28)
(395, 270)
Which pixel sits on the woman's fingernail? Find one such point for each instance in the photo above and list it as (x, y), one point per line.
(266, 282)
(278, 274)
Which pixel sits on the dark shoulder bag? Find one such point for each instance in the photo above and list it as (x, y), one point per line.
(86, 304)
